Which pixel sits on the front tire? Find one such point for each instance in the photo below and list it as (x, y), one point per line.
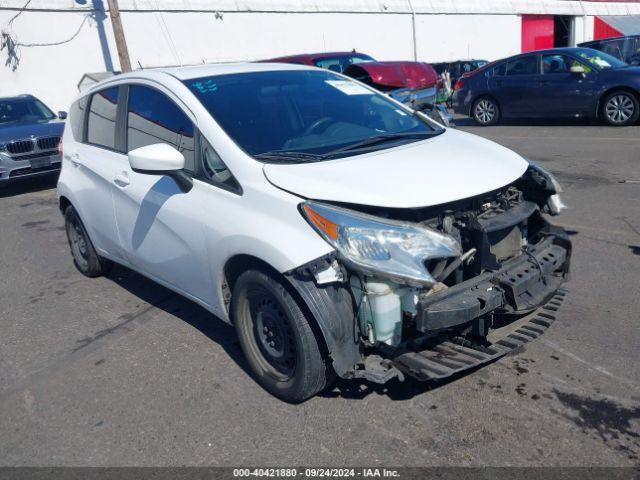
(85, 258)
(620, 109)
(277, 339)
(486, 111)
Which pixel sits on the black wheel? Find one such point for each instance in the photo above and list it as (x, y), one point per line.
(276, 338)
(620, 109)
(485, 111)
(84, 254)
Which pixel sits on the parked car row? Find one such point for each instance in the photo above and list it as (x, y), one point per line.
(560, 83)
(412, 83)
(569, 83)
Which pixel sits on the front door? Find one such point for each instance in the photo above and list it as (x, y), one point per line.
(159, 225)
(562, 93)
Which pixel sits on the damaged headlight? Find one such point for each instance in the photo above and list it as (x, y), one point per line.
(373, 245)
(545, 180)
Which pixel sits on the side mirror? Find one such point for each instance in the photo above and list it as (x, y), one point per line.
(161, 159)
(62, 115)
(578, 69)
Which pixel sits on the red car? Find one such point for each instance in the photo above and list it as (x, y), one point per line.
(413, 83)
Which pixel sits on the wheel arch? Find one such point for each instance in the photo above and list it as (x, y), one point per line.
(330, 308)
(63, 203)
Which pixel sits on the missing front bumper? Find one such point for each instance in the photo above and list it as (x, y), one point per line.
(435, 358)
(522, 285)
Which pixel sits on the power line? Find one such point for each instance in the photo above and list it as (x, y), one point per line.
(61, 42)
(24, 7)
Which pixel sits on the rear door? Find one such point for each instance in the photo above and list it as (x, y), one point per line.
(160, 226)
(94, 160)
(513, 84)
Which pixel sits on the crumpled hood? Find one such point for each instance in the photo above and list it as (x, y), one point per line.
(17, 131)
(449, 167)
(400, 74)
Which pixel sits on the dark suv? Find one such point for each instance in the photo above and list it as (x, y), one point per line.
(626, 49)
(29, 136)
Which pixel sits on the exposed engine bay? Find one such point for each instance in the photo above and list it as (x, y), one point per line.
(499, 259)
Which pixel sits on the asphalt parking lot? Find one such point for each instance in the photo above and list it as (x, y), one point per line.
(120, 371)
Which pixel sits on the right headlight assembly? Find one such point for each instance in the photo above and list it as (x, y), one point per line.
(377, 246)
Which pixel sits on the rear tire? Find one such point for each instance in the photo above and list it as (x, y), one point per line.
(486, 111)
(277, 339)
(620, 109)
(85, 258)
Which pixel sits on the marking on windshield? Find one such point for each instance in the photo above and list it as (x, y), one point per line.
(349, 88)
(205, 86)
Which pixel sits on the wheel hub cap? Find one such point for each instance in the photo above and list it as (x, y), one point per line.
(485, 111)
(619, 109)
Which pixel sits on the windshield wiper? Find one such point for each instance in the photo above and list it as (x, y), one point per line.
(289, 155)
(389, 137)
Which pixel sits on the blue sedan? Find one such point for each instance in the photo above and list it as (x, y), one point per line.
(560, 83)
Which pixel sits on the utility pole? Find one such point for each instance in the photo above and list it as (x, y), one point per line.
(118, 33)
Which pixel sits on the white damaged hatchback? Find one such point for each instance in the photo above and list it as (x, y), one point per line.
(343, 234)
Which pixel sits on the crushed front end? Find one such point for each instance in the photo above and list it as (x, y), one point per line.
(449, 287)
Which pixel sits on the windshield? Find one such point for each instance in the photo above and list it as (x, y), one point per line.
(307, 112)
(600, 59)
(23, 110)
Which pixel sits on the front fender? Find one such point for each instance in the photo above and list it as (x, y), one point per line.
(333, 308)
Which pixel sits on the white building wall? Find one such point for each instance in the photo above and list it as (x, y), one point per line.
(170, 32)
(196, 37)
(451, 37)
(53, 72)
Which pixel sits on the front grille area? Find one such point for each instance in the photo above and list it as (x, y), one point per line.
(29, 156)
(20, 146)
(47, 143)
(28, 171)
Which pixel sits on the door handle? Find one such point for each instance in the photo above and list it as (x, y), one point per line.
(543, 83)
(74, 158)
(122, 179)
(499, 83)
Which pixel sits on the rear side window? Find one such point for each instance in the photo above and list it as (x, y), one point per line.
(499, 71)
(523, 66)
(76, 118)
(101, 126)
(153, 118)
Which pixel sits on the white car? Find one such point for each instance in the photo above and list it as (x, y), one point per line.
(339, 231)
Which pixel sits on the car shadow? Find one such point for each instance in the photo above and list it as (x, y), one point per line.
(20, 187)
(395, 389)
(189, 312)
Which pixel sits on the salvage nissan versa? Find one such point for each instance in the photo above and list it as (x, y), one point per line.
(342, 233)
